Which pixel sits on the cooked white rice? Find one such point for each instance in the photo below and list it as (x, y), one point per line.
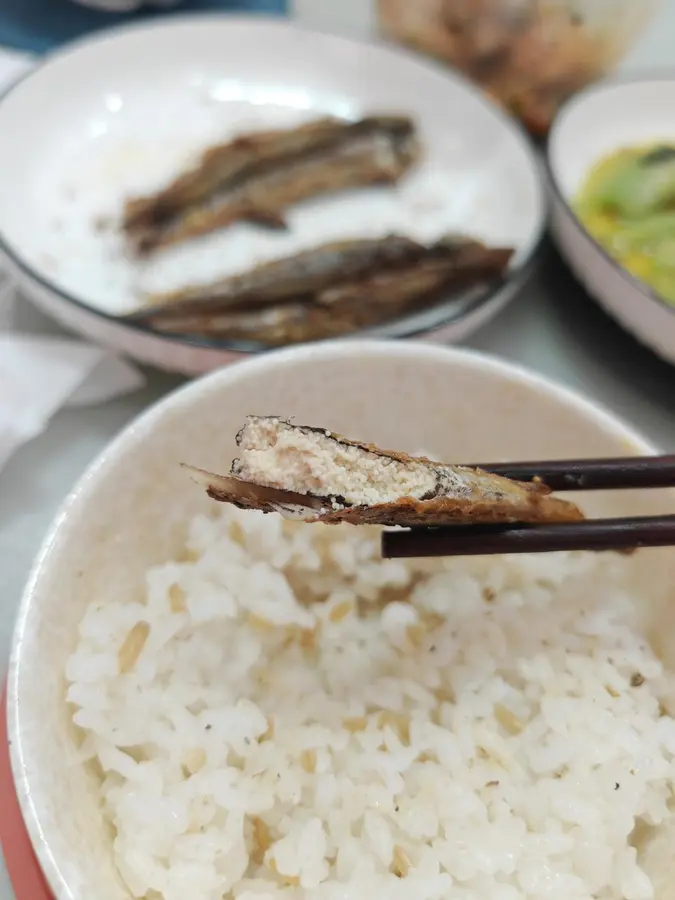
(469, 729)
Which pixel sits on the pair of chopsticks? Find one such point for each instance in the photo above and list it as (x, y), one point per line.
(623, 535)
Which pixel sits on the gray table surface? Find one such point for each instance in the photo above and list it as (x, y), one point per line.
(552, 327)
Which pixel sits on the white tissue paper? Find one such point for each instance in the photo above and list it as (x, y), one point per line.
(39, 374)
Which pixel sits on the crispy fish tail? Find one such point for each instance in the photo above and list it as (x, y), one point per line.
(227, 489)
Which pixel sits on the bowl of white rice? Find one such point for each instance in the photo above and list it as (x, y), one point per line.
(206, 703)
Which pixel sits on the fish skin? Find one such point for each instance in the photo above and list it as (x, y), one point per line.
(220, 162)
(333, 290)
(271, 282)
(485, 498)
(257, 177)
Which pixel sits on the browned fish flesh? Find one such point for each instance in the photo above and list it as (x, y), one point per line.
(333, 290)
(257, 176)
(318, 476)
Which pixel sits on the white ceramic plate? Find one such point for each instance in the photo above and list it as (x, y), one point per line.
(124, 112)
(611, 115)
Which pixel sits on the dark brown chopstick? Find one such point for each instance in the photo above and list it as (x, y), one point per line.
(592, 474)
(559, 475)
(485, 540)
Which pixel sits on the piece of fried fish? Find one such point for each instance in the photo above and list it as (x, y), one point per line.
(328, 291)
(287, 278)
(257, 176)
(318, 476)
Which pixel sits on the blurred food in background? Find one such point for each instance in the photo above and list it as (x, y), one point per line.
(529, 55)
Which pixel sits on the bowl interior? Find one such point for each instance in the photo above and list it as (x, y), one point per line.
(605, 118)
(124, 113)
(130, 511)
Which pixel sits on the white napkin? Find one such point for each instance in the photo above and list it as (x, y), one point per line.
(39, 374)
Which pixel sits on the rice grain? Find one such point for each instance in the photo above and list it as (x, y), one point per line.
(132, 647)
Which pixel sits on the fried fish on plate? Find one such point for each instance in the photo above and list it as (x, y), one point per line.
(328, 291)
(286, 278)
(257, 176)
(318, 476)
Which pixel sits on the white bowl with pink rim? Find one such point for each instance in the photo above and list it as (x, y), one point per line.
(129, 510)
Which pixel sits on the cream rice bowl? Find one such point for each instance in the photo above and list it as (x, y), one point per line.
(206, 703)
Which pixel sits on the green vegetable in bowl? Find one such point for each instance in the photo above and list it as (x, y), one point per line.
(628, 204)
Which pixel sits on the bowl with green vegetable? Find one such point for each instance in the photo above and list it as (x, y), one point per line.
(611, 167)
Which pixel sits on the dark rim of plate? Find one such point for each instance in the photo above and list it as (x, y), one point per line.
(452, 311)
(615, 81)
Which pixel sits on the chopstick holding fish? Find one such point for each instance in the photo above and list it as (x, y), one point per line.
(618, 534)
(315, 475)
